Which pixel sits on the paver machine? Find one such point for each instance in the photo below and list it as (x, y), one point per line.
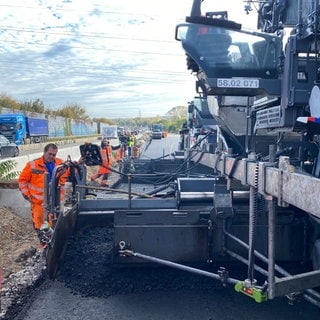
(253, 198)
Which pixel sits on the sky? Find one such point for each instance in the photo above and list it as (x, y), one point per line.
(116, 59)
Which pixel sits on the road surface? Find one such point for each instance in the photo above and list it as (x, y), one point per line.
(88, 288)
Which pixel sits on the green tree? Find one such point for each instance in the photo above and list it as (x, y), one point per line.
(104, 120)
(26, 106)
(38, 106)
(7, 102)
(179, 112)
(72, 111)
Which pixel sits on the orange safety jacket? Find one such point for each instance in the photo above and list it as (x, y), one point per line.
(120, 153)
(31, 179)
(106, 155)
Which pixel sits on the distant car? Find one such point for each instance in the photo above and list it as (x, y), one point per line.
(7, 148)
(157, 131)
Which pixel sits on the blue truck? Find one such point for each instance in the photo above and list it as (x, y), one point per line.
(22, 129)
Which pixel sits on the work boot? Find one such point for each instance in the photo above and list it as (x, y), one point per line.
(44, 238)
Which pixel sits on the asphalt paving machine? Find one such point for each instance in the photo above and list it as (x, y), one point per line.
(252, 196)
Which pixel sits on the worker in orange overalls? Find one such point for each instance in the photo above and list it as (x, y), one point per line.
(31, 185)
(119, 155)
(107, 160)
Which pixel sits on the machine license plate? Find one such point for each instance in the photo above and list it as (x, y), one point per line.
(237, 83)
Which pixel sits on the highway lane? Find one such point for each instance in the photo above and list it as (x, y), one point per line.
(160, 147)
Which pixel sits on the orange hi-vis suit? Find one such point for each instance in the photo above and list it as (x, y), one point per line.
(31, 184)
(120, 153)
(106, 154)
(104, 170)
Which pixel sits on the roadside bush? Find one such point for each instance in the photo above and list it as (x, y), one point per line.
(7, 172)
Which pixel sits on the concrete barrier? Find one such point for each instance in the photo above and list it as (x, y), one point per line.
(73, 152)
(12, 198)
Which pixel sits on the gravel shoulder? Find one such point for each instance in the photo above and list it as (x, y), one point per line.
(21, 260)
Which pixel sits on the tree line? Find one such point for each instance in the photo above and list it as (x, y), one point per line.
(172, 120)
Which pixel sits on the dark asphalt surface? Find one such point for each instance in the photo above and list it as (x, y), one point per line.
(89, 288)
(149, 293)
(55, 301)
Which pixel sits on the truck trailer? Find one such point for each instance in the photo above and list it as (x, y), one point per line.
(109, 131)
(22, 129)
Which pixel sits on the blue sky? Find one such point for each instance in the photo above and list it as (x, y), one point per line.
(117, 59)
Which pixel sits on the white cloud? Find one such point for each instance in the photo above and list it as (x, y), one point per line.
(114, 58)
